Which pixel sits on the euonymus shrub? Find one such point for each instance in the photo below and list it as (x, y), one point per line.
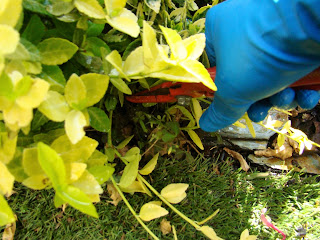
(60, 61)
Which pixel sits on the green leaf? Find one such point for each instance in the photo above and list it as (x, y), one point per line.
(35, 6)
(54, 107)
(91, 8)
(20, 53)
(77, 199)
(15, 166)
(79, 152)
(93, 44)
(55, 51)
(171, 131)
(101, 173)
(125, 142)
(76, 92)
(38, 120)
(109, 151)
(6, 214)
(99, 120)
(52, 164)
(185, 113)
(121, 85)
(110, 103)
(6, 180)
(94, 29)
(96, 86)
(129, 174)
(59, 8)
(149, 167)
(54, 76)
(33, 51)
(35, 30)
(195, 138)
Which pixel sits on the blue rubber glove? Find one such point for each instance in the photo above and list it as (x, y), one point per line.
(259, 48)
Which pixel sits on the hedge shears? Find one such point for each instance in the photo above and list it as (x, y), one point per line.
(173, 91)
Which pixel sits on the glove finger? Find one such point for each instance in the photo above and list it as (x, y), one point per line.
(209, 24)
(283, 99)
(307, 99)
(221, 114)
(258, 111)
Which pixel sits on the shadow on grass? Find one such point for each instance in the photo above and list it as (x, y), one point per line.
(292, 200)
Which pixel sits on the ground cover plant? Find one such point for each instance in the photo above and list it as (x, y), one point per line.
(66, 66)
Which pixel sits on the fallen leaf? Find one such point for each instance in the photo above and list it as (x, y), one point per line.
(165, 226)
(114, 195)
(244, 165)
(283, 152)
(175, 192)
(9, 231)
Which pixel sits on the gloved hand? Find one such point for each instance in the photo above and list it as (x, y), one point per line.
(259, 48)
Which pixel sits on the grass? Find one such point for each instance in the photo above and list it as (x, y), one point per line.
(292, 200)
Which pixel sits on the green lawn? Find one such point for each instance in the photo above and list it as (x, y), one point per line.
(292, 200)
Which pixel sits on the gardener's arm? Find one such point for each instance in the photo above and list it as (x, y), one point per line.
(259, 47)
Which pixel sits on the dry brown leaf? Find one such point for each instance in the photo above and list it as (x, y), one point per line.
(244, 165)
(9, 231)
(165, 226)
(283, 152)
(114, 195)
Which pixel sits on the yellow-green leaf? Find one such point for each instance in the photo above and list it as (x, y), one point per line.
(79, 152)
(30, 162)
(6, 180)
(194, 45)
(197, 110)
(74, 124)
(16, 115)
(178, 50)
(209, 232)
(75, 92)
(175, 192)
(149, 167)
(116, 61)
(102, 173)
(125, 22)
(96, 86)
(54, 106)
(121, 85)
(9, 39)
(6, 214)
(35, 95)
(134, 187)
(7, 147)
(113, 7)
(10, 12)
(59, 8)
(199, 72)
(52, 165)
(151, 210)
(195, 138)
(55, 51)
(250, 125)
(246, 236)
(280, 140)
(91, 8)
(132, 154)
(77, 199)
(88, 184)
(97, 159)
(135, 63)
(125, 142)
(129, 174)
(74, 171)
(37, 182)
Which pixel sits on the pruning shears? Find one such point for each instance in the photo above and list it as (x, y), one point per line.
(173, 91)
